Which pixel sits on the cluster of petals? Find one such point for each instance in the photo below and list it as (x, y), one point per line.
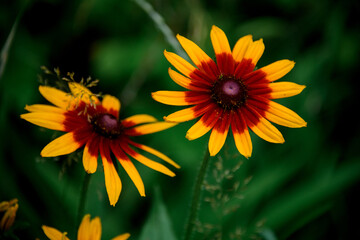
(9, 208)
(95, 124)
(230, 93)
(88, 230)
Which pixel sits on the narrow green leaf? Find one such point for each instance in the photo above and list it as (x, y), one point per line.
(158, 225)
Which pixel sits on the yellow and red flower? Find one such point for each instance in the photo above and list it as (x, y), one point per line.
(88, 230)
(95, 124)
(230, 92)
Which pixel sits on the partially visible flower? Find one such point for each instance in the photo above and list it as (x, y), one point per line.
(10, 208)
(230, 93)
(88, 230)
(95, 124)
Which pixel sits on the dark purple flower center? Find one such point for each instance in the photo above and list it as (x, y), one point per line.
(107, 125)
(229, 92)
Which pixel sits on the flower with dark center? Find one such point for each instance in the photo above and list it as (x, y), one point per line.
(95, 124)
(230, 93)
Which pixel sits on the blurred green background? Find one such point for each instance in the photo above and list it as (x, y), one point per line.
(306, 188)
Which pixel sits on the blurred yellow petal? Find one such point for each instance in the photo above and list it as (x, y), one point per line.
(277, 69)
(176, 98)
(129, 168)
(262, 127)
(90, 154)
(149, 128)
(218, 134)
(255, 51)
(186, 82)
(112, 181)
(201, 127)
(156, 153)
(111, 104)
(197, 55)
(54, 234)
(240, 47)
(124, 236)
(84, 228)
(219, 41)
(243, 142)
(147, 162)
(44, 108)
(95, 229)
(133, 174)
(182, 115)
(61, 146)
(179, 63)
(9, 217)
(50, 120)
(284, 116)
(137, 119)
(285, 89)
(56, 97)
(241, 135)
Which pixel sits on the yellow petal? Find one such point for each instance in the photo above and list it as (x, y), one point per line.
(129, 167)
(50, 120)
(201, 127)
(176, 98)
(285, 89)
(56, 97)
(147, 162)
(182, 115)
(95, 229)
(112, 180)
(179, 63)
(9, 217)
(281, 115)
(186, 82)
(133, 174)
(111, 104)
(241, 135)
(44, 108)
(84, 228)
(197, 55)
(54, 234)
(156, 153)
(218, 135)
(219, 41)
(82, 93)
(255, 51)
(240, 47)
(137, 119)
(277, 69)
(180, 98)
(90, 154)
(4, 205)
(149, 128)
(124, 236)
(62, 145)
(261, 127)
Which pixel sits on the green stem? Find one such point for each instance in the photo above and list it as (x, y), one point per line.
(162, 26)
(189, 228)
(83, 193)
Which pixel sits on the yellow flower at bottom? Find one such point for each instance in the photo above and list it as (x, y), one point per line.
(10, 208)
(88, 230)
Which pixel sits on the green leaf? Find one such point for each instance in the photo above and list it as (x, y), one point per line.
(158, 225)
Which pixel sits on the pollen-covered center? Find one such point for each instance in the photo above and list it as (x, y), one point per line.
(229, 92)
(107, 125)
